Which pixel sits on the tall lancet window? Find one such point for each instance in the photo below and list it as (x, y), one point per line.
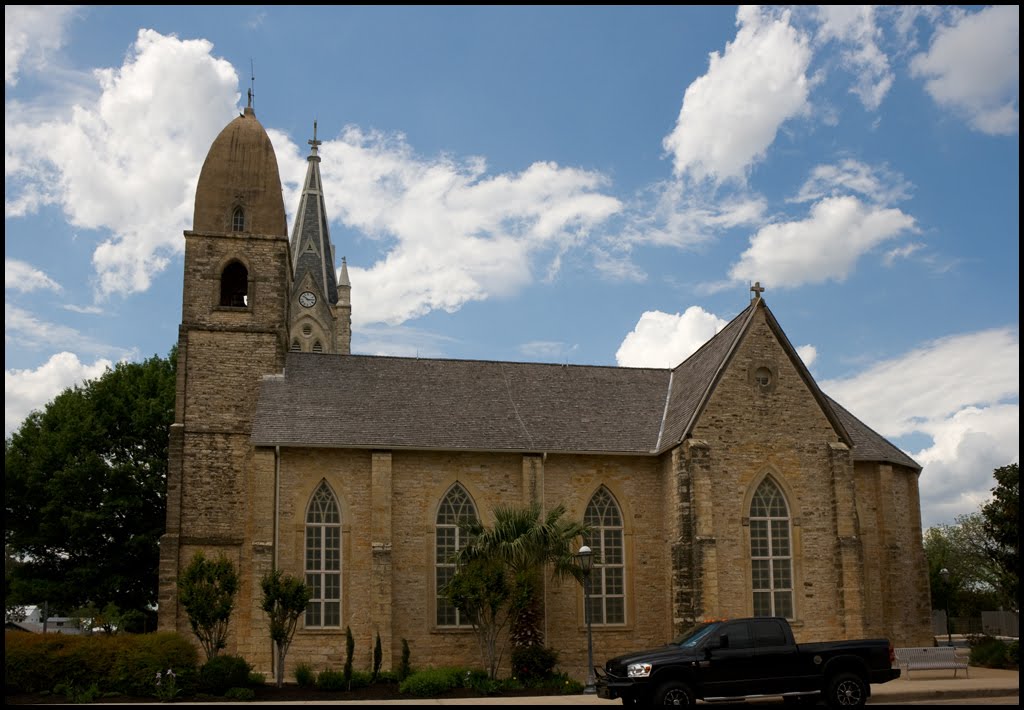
(607, 579)
(323, 558)
(456, 507)
(238, 220)
(771, 557)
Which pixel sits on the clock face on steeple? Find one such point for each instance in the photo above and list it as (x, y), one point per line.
(307, 299)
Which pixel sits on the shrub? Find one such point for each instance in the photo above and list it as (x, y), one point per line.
(1013, 654)
(989, 652)
(533, 664)
(433, 682)
(223, 672)
(331, 680)
(359, 679)
(242, 694)
(122, 664)
(74, 694)
(567, 685)
(148, 654)
(305, 676)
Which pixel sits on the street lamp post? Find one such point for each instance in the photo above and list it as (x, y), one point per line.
(586, 560)
(944, 573)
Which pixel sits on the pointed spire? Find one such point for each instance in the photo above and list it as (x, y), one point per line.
(312, 251)
(343, 281)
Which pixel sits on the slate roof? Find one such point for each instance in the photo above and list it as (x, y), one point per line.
(869, 445)
(394, 402)
(362, 401)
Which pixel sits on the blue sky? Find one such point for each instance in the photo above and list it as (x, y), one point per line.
(592, 185)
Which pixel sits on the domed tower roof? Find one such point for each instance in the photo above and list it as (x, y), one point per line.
(239, 187)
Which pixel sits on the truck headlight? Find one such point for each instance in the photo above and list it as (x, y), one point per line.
(638, 670)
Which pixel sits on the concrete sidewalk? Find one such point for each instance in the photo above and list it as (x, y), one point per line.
(933, 685)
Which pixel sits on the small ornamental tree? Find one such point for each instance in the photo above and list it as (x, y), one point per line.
(284, 600)
(207, 591)
(378, 656)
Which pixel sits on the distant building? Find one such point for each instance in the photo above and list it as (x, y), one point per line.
(728, 485)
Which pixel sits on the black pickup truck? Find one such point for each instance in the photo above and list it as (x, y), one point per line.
(734, 659)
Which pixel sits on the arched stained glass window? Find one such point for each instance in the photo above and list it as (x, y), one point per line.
(323, 558)
(607, 579)
(456, 507)
(771, 558)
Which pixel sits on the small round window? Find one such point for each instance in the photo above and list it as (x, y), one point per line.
(763, 377)
(307, 330)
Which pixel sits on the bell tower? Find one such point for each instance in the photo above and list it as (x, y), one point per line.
(234, 329)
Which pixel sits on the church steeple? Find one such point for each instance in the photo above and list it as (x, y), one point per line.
(320, 320)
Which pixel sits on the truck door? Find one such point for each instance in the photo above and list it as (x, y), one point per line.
(728, 661)
(778, 668)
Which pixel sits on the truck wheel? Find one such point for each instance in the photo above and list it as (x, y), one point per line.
(673, 692)
(847, 690)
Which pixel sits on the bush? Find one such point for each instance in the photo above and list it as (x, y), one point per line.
(123, 664)
(433, 682)
(1013, 654)
(989, 652)
(331, 680)
(567, 685)
(533, 664)
(223, 672)
(305, 676)
(242, 694)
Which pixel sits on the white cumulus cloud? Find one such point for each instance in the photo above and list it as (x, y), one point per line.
(962, 393)
(666, 339)
(823, 247)
(31, 34)
(127, 164)
(973, 68)
(28, 390)
(731, 114)
(855, 30)
(19, 276)
(453, 232)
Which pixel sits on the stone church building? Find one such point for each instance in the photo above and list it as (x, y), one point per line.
(729, 485)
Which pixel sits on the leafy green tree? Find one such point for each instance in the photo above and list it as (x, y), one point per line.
(972, 581)
(206, 590)
(481, 590)
(1001, 522)
(284, 600)
(84, 491)
(507, 561)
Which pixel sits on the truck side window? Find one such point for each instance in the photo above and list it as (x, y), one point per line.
(769, 633)
(738, 634)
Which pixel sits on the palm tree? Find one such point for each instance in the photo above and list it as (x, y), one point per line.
(526, 541)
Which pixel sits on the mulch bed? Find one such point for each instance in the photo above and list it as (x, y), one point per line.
(289, 692)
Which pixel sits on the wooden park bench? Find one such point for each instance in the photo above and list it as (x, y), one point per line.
(930, 658)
